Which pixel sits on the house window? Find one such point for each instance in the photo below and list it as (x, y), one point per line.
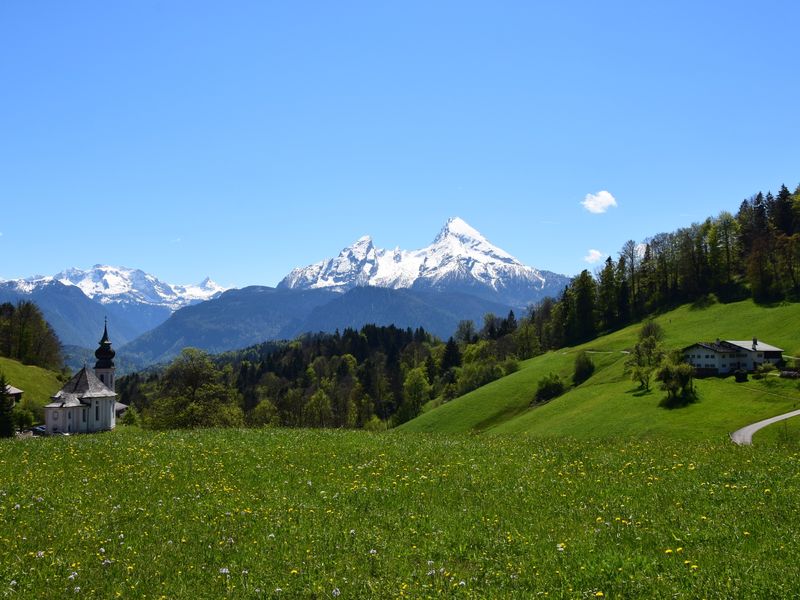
(83, 412)
(102, 377)
(96, 411)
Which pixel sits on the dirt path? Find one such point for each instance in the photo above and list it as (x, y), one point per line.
(744, 436)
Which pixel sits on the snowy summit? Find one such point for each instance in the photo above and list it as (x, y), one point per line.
(108, 284)
(458, 258)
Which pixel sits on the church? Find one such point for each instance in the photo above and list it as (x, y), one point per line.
(87, 402)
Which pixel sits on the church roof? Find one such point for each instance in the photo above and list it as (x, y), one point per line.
(84, 385)
(12, 391)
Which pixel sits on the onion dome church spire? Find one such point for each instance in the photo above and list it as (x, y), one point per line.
(104, 354)
(104, 367)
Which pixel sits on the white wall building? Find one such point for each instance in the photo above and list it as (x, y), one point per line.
(87, 402)
(726, 356)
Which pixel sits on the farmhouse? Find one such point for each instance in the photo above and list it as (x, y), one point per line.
(87, 402)
(726, 356)
(14, 393)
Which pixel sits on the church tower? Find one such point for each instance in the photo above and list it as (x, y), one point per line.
(104, 367)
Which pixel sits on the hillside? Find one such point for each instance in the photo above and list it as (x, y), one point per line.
(610, 405)
(38, 384)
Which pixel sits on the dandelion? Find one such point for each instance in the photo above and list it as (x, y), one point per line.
(668, 551)
(599, 594)
(561, 546)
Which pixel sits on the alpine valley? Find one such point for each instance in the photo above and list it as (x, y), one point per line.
(460, 275)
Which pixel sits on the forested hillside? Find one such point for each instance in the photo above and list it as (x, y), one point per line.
(753, 253)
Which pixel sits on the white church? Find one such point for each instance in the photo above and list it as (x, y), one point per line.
(87, 403)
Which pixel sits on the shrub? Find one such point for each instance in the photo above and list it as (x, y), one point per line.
(584, 367)
(549, 387)
(740, 375)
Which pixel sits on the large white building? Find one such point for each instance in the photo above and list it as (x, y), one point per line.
(87, 402)
(726, 356)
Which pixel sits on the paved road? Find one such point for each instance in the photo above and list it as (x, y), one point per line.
(744, 436)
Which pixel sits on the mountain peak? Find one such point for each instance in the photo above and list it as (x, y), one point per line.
(458, 227)
(459, 258)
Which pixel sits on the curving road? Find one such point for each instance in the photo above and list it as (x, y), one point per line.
(744, 436)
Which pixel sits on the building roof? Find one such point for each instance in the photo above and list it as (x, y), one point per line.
(755, 345)
(12, 391)
(84, 386)
(734, 345)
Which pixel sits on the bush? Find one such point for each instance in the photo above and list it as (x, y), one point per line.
(740, 375)
(584, 367)
(510, 365)
(375, 424)
(549, 387)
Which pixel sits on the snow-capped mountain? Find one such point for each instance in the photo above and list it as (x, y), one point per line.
(76, 301)
(459, 258)
(122, 285)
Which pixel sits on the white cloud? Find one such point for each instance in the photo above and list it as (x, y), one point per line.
(594, 256)
(599, 203)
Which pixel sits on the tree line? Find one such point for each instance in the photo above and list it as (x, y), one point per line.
(374, 377)
(754, 253)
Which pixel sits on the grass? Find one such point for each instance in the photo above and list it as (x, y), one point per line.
(610, 405)
(309, 514)
(37, 384)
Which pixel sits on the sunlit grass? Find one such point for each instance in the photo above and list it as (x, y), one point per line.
(301, 514)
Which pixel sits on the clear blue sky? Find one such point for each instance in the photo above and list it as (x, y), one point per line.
(241, 139)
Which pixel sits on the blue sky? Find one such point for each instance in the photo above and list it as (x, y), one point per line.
(241, 139)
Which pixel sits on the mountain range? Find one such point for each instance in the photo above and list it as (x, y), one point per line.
(458, 259)
(460, 275)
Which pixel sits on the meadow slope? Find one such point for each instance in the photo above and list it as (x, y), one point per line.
(609, 405)
(37, 384)
(321, 514)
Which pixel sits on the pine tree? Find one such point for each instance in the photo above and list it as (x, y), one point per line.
(451, 357)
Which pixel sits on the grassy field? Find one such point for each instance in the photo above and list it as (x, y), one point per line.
(609, 405)
(316, 514)
(36, 383)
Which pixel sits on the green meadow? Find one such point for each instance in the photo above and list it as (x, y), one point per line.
(610, 405)
(323, 514)
(37, 384)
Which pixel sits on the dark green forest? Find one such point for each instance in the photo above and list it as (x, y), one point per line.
(25, 336)
(370, 377)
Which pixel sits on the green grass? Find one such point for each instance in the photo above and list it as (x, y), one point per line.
(241, 514)
(37, 384)
(609, 405)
